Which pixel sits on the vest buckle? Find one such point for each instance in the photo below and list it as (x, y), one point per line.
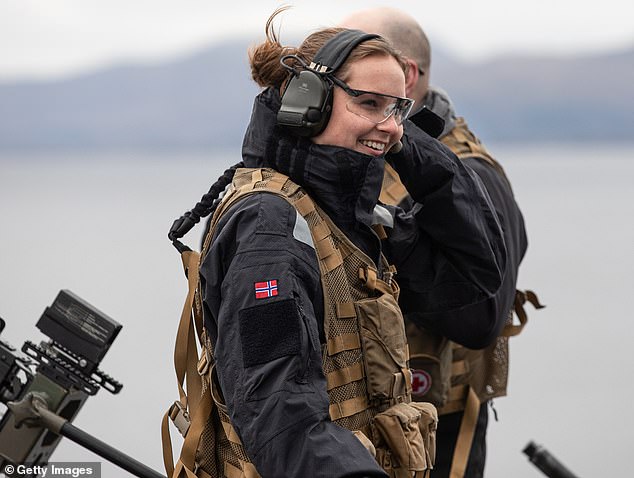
(180, 417)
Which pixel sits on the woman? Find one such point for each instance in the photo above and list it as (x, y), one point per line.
(299, 304)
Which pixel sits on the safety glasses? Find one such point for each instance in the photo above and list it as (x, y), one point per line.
(375, 107)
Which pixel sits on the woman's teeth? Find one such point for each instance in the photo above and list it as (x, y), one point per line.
(373, 145)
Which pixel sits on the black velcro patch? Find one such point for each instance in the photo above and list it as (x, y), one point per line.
(269, 331)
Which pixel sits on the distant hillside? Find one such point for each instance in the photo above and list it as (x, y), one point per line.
(204, 100)
(558, 98)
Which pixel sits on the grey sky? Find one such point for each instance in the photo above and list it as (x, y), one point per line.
(44, 38)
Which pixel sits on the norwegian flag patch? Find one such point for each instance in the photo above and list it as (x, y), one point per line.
(266, 289)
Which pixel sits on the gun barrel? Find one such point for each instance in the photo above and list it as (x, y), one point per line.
(546, 462)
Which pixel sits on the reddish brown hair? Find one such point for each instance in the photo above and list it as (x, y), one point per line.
(264, 58)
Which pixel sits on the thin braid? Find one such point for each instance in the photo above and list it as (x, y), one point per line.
(206, 206)
(208, 203)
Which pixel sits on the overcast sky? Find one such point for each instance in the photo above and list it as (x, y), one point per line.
(40, 38)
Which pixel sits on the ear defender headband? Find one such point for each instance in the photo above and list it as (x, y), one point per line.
(307, 99)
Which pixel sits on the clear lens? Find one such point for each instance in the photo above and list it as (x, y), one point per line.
(377, 108)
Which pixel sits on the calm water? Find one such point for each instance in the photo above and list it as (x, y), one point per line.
(96, 224)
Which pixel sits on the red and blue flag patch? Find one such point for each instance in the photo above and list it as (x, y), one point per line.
(266, 289)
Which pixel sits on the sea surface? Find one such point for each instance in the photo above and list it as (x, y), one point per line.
(96, 223)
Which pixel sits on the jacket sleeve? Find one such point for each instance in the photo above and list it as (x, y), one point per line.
(262, 294)
(489, 315)
(448, 248)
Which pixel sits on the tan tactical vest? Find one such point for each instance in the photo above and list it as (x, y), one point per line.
(365, 358)
(444, 373)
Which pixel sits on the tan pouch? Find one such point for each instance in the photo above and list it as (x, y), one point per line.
(428, 424)
(401, 427)
(430, 362)
(384, 345)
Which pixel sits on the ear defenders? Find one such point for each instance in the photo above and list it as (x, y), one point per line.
(307, 99)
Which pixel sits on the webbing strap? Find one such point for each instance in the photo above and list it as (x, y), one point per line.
(346, 310)
(247, 471)
(256, 176)
(166, 439)
(199, 418)
(343, 342)
(458, 392)
(462, 137)
(393, 191)
(521, 297)
(456, 400)
(368, 276)
(277, 182)
(185, 352)
(304, 205)
(232, 471)
(180, 467)
(320, 231)
(325, 248)
(343, 376)
(230, 432)
(186, 365)
(465, 436)
(407, 373)
(347, 408)
(380, 231)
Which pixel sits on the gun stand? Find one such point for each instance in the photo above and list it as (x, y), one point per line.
(33, 411)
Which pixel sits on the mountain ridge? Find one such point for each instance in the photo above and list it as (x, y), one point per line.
(203, 100)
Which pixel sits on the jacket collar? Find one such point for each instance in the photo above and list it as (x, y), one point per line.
(437, 100)
(344, 183)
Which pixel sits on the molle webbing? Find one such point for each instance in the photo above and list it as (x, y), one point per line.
(465, 144)
(347, 276)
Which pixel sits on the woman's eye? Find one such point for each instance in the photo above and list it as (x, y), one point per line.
(369, 103)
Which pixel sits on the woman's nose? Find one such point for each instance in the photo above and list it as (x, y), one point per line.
(390, 126)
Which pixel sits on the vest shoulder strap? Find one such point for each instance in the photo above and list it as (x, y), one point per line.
(465, 144)
(392, 190)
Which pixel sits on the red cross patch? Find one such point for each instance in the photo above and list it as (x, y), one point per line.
(266, 289)
(421, 382)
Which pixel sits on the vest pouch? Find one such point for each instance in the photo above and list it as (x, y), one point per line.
(430, 362)
(384, 347)
(408, 431)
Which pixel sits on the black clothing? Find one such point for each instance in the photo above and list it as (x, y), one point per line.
(488, 315)
(267, 350)
(446, 437)
(479, 324)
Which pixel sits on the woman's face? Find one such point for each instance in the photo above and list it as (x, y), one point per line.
(377, 73)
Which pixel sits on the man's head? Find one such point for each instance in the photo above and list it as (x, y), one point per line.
(404, 32)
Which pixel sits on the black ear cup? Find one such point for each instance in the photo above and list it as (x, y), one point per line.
(307, 100)
(306, 104)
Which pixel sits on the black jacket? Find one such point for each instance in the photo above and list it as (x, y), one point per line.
(478, 324)
(268, 350)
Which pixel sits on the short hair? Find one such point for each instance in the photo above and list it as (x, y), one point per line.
(410, 39)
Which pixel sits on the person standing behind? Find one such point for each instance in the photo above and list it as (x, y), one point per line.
(462, 376)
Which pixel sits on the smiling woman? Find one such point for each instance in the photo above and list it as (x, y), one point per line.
(368, 122)
(299, 302)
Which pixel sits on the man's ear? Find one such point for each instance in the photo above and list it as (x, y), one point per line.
(411, 77)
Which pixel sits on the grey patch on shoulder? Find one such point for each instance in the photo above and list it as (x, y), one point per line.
(301, 231)
(382, 216)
